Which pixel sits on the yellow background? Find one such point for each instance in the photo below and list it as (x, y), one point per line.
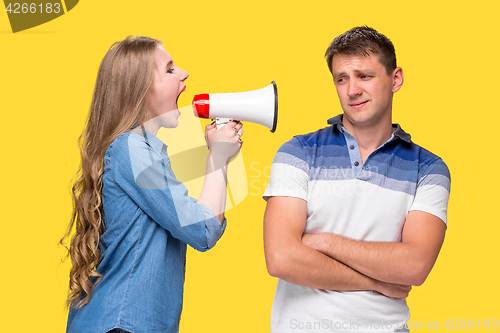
(449, 103)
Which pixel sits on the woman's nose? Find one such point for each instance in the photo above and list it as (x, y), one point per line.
(183, 75)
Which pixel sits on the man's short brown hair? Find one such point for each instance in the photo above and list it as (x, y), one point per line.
(363, 41)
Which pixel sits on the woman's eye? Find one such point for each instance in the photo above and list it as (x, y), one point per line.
(170, 70)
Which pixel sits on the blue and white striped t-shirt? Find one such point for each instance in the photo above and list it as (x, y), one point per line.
(364, 201)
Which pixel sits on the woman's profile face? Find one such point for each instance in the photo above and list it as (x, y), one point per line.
(168, 84)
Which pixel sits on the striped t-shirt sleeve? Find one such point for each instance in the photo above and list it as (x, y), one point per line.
(433, 189)
(289, 172)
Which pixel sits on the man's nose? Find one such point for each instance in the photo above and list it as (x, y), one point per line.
(354, 89)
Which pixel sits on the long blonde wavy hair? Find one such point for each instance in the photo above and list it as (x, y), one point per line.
(119, 103)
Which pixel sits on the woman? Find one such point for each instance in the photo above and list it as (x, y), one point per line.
(132, 218)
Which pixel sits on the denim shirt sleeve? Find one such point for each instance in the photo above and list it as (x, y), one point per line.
(147, 177)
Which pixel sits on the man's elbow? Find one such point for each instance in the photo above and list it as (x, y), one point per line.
(418, 274)
(416, 280)
(276, 263)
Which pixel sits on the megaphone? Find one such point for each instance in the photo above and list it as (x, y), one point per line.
(257, 106)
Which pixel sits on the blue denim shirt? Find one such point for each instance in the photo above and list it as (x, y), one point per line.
(149, 220)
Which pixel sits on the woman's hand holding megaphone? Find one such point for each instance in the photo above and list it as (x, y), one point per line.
(224, 143)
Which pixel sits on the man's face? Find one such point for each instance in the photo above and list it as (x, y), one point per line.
(364, 89)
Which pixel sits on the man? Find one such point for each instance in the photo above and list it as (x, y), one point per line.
(356, 212)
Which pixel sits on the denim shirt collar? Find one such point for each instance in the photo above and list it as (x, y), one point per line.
(151, 139)
(398, 131)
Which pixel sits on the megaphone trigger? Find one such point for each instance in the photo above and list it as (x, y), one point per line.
(221, 122)
(258, 106)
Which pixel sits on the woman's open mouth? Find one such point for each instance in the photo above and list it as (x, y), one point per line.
(182, 90)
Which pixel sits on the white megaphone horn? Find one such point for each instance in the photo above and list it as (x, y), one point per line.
(257, 106)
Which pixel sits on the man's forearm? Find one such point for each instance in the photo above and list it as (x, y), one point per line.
(406, 262)
(384, 261)
(304, 266)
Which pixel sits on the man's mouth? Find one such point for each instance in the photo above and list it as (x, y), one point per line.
(358, 105)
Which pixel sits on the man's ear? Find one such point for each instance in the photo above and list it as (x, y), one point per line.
(397, 79)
